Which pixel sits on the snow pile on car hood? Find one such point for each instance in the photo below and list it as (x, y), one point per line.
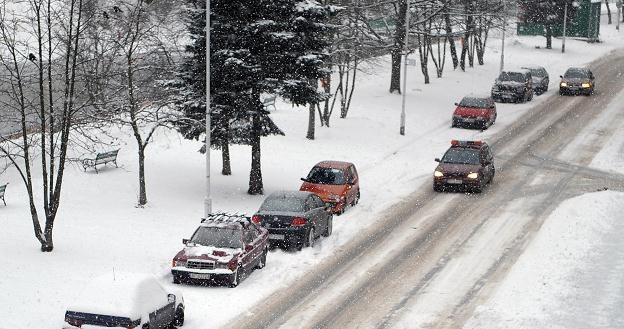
(130, 295)
(220, 254)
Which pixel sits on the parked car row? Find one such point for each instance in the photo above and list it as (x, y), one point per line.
(225, 248)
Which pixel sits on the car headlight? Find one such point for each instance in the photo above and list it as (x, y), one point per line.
(179, 263)
(586, 85)
(334, 197)
(564, 84)
(221, 265)
(438, 173)
(473, 175)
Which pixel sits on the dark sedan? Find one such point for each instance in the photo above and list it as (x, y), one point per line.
(294, 218)
(577, 80)
(540, 79)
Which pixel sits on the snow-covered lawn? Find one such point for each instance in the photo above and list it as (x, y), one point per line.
(99, 230)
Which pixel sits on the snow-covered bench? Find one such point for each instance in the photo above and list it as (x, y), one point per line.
(2, 189)
(100, 158)
(269, 101)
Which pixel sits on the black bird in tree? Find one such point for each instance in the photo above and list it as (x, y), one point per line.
(116, 9)
(105, 15)
(32, 57)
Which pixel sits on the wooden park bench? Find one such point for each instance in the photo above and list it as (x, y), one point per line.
(269, 101)
(2, 189)
(101, 159)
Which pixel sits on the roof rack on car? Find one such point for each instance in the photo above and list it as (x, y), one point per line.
(224, 217)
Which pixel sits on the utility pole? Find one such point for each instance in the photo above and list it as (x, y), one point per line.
(618, 4)
(565, 25)
(502, 58)
(207, 200)
(405, 50)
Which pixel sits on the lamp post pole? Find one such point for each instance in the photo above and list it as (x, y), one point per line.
(502, 58)
(405, 50)
(207, 200)
(565, 25)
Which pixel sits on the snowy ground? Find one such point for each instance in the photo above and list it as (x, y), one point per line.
(99, 229)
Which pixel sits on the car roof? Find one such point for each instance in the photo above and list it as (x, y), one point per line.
(585, 69)
(518, 70)
(226, 220)
(122, 294)
(533, 67)
(475, 145)
(487, 97)
(302, 195)
(334, 164)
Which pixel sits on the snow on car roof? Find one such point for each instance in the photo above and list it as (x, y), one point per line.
(122, 294)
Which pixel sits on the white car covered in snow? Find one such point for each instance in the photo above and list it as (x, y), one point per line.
(125, 300)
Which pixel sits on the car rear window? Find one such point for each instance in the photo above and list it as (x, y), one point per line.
(511, 76)
(282, 204)
(575, 74)
(220, 237)
(474, 102)
(460, 155)
(320, 175)
(538, 73)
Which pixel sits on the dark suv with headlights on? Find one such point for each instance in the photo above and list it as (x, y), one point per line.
(224, 247)
(577, 80)
(466, 164)
(294, 218)
(540, 79)
(513, 86)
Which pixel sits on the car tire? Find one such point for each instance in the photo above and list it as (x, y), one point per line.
(176, 279)
(478, 188)
(356, 200)
(437, 188)
(309, 239)
(235, 278)
(329, 229)
(262, 262)
(531, 96)
(145, 326)
(178, 319)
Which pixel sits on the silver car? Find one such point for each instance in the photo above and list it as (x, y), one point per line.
(540, 78)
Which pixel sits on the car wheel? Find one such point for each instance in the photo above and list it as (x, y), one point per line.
(531, 96)
(262, 262)
(309, 241)
(328, 230)
(176, 279)
(437, 188)
(145, 326)
(178, 320)
(478, 188)
(356, 199)
(235, 277)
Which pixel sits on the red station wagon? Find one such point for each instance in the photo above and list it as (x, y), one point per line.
(223, 247)
(336, 182)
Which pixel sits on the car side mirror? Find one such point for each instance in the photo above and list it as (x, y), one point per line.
(561, 76)
(436, 160)
(248, 248)
(185, 241)
(304, 179)
(171, 298)
(456, 104)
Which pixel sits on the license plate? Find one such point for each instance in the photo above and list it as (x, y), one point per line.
(276, 236)
(454, 181)
(200, 276)
(469, 120)
(574, 88)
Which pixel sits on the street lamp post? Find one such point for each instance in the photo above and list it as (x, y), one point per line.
(502, 58)
(405, 50)
(207, 200)
(565, 25)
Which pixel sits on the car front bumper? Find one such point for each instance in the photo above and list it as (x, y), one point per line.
(463, 121)
(574, 90)
(455, 182)
(189, 274)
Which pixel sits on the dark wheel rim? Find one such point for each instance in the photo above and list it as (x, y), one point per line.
(235, 278)
(311, 238)
(329, 226)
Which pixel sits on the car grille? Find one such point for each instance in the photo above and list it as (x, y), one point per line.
(506, 88)
(200, 265)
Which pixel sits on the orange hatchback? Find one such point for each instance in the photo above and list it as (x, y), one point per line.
(336, 182)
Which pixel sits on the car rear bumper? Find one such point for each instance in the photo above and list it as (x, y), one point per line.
(506, 95)
(287, 234)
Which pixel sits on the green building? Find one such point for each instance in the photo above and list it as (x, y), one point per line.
(584, 24)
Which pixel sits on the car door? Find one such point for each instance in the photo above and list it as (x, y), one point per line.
(355, 184)
(311, 214)
(320, 213)
(492, 110)
(248, 255)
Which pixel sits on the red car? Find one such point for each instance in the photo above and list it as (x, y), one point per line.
(478, 112)
(336, 182)
(466, 164)
(224, 247)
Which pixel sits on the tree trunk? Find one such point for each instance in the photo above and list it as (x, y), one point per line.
(255, 176)
(608, 11)
(226, 170)
(548, 36)
(449, 37)
(48, 245)
(142, 189)
(311, 117)
(397, 49)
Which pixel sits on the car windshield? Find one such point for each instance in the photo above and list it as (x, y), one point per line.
(511, 76)
(461, 156)
(474, 102)
(539, 73)
(575, 74)
(220, 237)
(319, 175)
(282, 203)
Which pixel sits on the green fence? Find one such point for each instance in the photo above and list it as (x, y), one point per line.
(585, 24)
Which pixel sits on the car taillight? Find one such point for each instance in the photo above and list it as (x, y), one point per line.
(256, 219)
(73, 322)
(298, 221)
